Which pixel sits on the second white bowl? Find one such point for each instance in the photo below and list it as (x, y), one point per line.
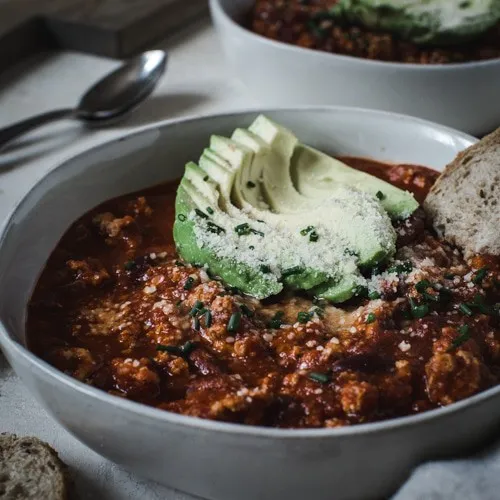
(463, 96)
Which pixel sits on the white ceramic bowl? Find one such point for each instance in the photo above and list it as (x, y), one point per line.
(216, 460)
(463, 96)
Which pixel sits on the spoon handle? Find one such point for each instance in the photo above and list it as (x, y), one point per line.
(13, 131)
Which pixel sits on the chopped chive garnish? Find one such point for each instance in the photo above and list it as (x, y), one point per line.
(431, 297)
(313, 236)
(306, 230)
(418, 310)
(214, 228)
(463, 329)
(374, 295)
(319, 302)
(251, 247)
(205, 178)
(380, 195)
(370, 318)
(304, 317)
(210, 210)
(361, 291)
(405, 267)
(449, 276)
(189, 283)
(196, 308)
(480, 305)
(320, 311)
(463, 337)
(265, 268)
(129, 265)
(188, 347)
(465, 309)
(350, 252)
(291, 271)
(250, 184)
(234, 322)
(245, 230)
(423, 285)
(171, 349)
(196, 323)
(201, 214)
(178, 351)
(480, 275)
(277, 320)
(322, 378)
(246, 310)
(208, 319)
(182, 217)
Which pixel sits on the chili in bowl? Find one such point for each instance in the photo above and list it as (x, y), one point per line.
(167, 370)
(288, 52)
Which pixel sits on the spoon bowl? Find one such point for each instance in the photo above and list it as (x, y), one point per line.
(123, 89)
(113, 97)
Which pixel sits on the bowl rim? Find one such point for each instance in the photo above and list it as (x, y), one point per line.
(16, 349)
(218, 10)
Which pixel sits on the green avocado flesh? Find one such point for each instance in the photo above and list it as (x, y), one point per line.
(423, 22)
(265, 213)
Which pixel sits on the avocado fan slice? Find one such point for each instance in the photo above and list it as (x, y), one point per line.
(234, 273)
(254, 212)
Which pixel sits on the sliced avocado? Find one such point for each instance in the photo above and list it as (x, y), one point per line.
(317, 243)
(277, 184)
(339, 291)
(217, 169)
(357, 218)
(246, 189)
(236, 155)
(315, 174)
(423, 22)
(203, 183)
(277, 137)
(237, 274)
(303, 278)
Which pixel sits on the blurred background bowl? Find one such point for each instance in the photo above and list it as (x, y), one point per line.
(463, 96)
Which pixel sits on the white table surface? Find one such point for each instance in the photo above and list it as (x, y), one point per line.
(197, 82)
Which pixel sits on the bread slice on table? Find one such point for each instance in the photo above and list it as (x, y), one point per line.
(464, 204)
(30, 470)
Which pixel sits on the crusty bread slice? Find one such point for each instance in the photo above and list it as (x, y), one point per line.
(464, 204)
(30, 470)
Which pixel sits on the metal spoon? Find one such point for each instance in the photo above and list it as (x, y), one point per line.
(110, 98)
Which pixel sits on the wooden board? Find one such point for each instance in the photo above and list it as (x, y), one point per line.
(112, 28)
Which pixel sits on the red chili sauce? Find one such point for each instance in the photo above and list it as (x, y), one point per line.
(116, 309)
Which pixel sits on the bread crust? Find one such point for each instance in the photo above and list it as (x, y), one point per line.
(31, 470)
(464, 203)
